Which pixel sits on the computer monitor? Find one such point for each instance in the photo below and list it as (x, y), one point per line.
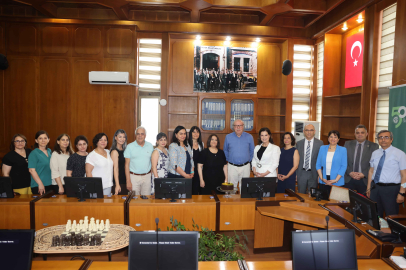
(397, 229)
(84, 187)
(6, 188)
(16, 247)
(363, 208)
(258, 187)
(310, 250)
(320, 194)
(172, 188)
(176, 250)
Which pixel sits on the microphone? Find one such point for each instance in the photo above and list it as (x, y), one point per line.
(157, 243)
(328, 243)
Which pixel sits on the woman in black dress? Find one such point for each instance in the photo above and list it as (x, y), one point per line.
(117, 155)
(288, 163)
(76, 165)
(212, 166)
(15, 165)
(195, 141)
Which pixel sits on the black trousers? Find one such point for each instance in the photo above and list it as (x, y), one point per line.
(357, 185)
(385, 198)
(34, 190)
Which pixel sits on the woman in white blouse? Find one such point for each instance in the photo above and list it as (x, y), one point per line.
(266, 155)
(99, 163)
(59, 159)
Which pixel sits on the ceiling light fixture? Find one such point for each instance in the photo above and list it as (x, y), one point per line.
(198, 37)
(360, 19)
(345, 26)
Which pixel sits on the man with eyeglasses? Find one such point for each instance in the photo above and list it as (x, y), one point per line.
(239, 150)
(359, 152)
(387, 175)
(308, 151)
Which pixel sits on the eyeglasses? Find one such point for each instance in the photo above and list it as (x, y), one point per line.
(20, 141)
(238, 125)
(308, 130)
(383, 138)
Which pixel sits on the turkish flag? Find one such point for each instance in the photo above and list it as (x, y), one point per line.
(353, 60)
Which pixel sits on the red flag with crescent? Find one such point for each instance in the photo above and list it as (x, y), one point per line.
(353, 60)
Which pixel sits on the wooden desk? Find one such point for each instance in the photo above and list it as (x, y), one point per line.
(239, 213)
(15, 212)
(200, 208)
(367, 245)
(57, 211)
(57, 265)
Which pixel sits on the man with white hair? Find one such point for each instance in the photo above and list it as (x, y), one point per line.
(138, 163)
(239, 150)
(308, 151)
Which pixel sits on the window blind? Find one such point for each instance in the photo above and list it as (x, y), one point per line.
(320, 66)
(385, 67)
(149, 64)
(302, 56)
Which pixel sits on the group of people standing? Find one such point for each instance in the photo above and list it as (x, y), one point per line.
(361, 165)
(225, 80)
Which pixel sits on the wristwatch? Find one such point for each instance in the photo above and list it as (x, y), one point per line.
(403, 194)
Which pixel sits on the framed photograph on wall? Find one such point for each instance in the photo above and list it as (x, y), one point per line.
(219, 69)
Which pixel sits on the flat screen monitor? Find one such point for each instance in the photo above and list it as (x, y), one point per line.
(176, 250)
(173, 188)
(397, 229)
(16, 247)
(319, 194)
(309, 250)
(6, 188)
(258, 187)
(84, 187)
(364, 208)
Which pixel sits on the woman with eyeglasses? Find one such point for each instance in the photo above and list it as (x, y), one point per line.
(15, 165)
(331, 162)
(39, 164)
(62, 151)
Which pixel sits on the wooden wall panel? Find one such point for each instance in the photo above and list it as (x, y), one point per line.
(182, 67)
(270, 71)
(55, 40)
(87, 41)
(120, 42)
(54, 101)
(3, 139)
(399, 56)
(86, 100)
(332, 65)
(20, 97)
(118, 101)
(23, 39)
(2, 38)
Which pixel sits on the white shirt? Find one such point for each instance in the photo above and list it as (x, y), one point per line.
(269, 161)
(329, 162)
(306, 142)
(58, 166)
(395, 161)
(103, 167)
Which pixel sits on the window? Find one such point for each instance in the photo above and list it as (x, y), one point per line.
(385, 67)
(149, 64)
(150, 117)
(302, 57)
(320, 65)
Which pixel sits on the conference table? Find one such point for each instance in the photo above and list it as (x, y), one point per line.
(373, 264)
(15, 212)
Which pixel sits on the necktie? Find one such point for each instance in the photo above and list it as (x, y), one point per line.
(307, 158)
(357, 158)
(379, 169)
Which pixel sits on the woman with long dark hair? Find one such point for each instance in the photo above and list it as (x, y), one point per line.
(76, 165)
(59, 159)
(288, 163)
(181, 163)
(117, 155)
(39, 164)
(266, 155)
(195, 141)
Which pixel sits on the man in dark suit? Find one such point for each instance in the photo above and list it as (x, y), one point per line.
(359, 152)
(308, 151)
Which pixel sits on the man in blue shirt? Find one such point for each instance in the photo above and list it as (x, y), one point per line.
(239, 150)
(138, 163)
(387, 175)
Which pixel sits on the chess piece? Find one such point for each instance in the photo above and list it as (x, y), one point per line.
(97, 224)
(92, 220)
(78, 228)
(74, 226)
(86, 218)
(81, 221)
(101, 226)
(68, 226)
(107, 224)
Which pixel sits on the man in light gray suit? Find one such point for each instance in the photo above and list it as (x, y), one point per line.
(308, 150)
(359, 152)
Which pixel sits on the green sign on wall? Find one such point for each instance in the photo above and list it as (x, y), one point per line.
(397, 116)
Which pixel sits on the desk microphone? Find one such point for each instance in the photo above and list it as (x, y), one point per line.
(328, 243)
(157, 243)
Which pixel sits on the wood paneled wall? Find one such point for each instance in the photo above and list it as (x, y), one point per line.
(46, 85)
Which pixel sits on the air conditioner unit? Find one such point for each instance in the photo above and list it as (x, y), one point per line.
(299, 129)
(110, 78)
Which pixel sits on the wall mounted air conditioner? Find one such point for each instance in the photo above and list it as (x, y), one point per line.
(299, 129)
(110, 78)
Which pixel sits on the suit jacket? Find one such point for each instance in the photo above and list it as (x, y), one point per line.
(369, 147)
(338, 166)
(269, 160)
(315, 151)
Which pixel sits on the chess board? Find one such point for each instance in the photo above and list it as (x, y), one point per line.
(91, 233)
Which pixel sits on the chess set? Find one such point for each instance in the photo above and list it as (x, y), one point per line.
(83, 233)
